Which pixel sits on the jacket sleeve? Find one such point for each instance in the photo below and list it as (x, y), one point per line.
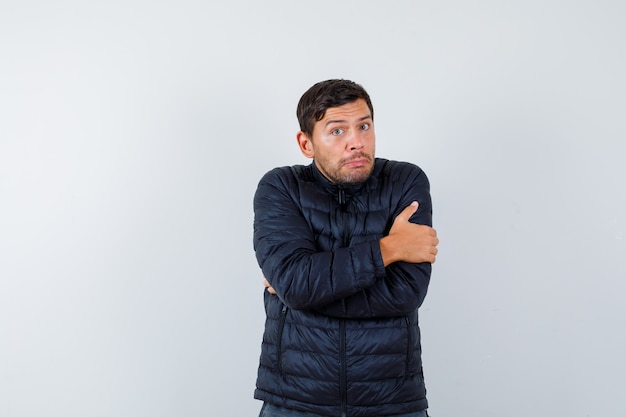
(403, 286)
(284, 243)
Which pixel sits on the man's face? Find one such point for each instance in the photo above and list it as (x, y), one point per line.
(343, 143)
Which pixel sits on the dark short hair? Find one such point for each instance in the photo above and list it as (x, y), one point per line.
(324, 95)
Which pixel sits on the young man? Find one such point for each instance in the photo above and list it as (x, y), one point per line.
(346, 247)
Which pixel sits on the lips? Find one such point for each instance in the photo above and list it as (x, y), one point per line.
(356, 162)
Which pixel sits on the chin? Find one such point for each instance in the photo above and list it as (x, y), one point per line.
(356, 177)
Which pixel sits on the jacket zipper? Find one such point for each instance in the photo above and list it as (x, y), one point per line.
(341, 198)
(343, 367)
(281, 326)
(343, 371)
(409, 342)
(343, 206)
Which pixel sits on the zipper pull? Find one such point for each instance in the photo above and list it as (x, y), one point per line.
(342, 199)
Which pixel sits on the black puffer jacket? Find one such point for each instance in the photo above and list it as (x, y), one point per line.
(341, 337)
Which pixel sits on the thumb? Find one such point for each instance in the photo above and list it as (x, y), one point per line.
(409, 210)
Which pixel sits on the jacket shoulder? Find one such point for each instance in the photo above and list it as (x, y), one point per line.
(285, 175)
(399, 171)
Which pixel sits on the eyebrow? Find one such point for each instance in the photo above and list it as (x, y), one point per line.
(345, 121)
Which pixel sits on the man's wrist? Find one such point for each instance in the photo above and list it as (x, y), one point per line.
(387, 251)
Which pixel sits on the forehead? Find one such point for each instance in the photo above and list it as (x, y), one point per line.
(356, 110)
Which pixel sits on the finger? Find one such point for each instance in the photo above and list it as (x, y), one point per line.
(269, 287)
(408, 211)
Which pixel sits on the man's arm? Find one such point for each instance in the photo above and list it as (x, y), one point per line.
(404, 288)
(408, 251)
(406, 242)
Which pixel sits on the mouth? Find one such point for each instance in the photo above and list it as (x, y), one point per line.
(357, 161)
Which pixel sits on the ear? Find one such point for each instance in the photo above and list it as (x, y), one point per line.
(305, 144)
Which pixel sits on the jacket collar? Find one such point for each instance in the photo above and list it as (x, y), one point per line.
(370, 183)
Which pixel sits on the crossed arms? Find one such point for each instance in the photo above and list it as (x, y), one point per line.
(379, 278)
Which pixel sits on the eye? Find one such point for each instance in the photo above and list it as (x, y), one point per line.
(365, 126)
(336, 132)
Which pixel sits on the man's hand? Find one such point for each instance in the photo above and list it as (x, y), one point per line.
(268, 286)
(409, 242)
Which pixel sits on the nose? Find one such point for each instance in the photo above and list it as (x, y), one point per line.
(355, 141)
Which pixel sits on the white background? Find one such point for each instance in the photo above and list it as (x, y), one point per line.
(132, 137)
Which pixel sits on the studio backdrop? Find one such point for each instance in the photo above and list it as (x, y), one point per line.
(133, 135)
